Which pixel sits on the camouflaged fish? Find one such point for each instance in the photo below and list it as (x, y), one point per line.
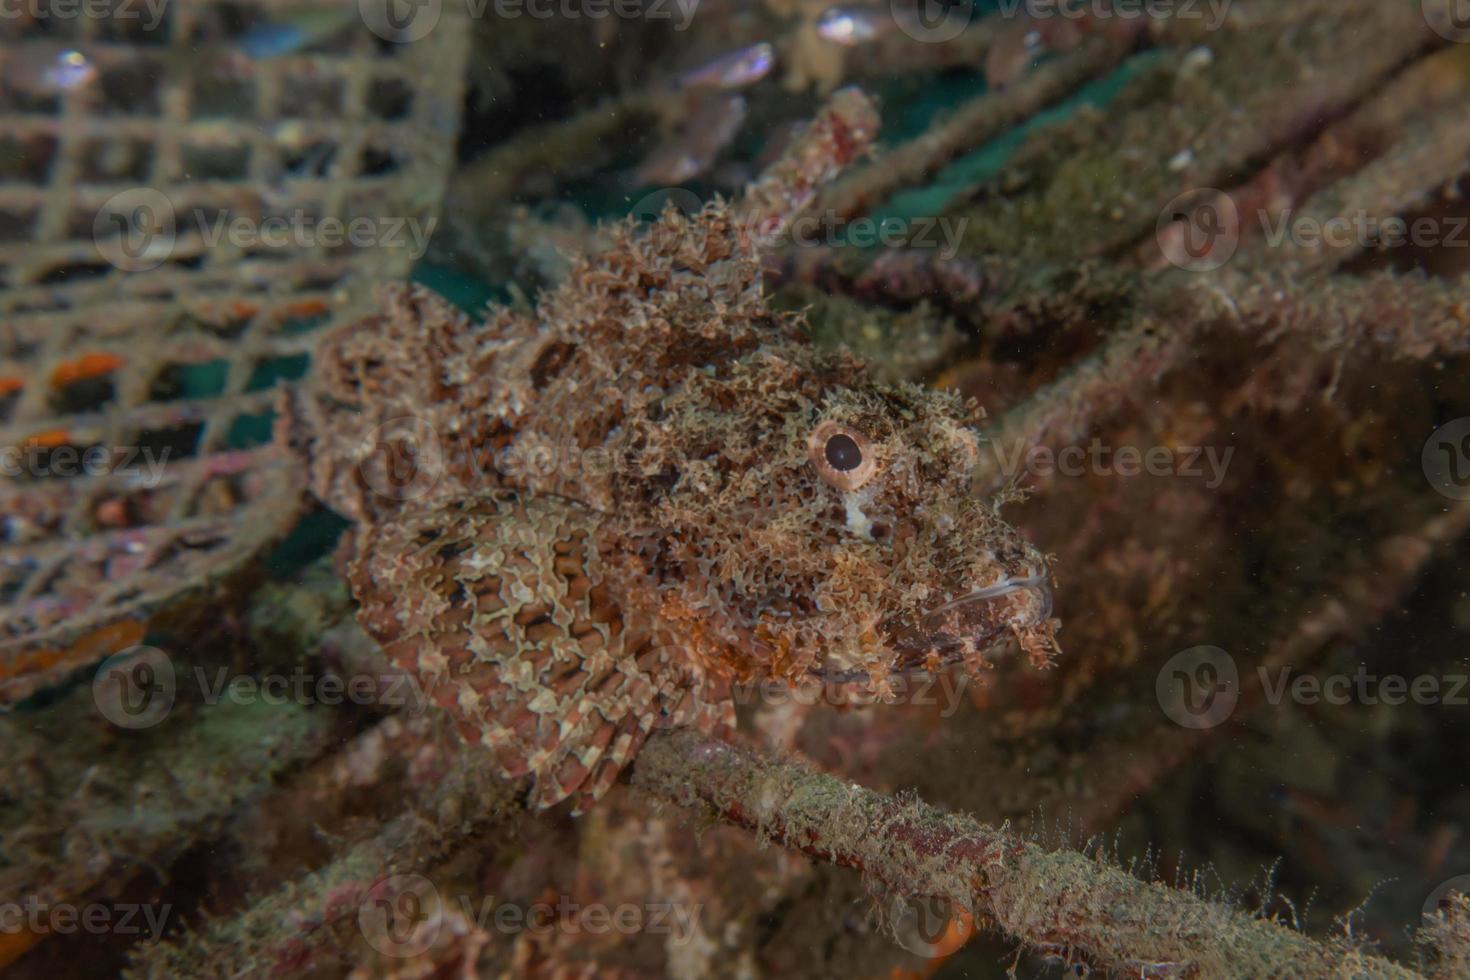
(580, 526)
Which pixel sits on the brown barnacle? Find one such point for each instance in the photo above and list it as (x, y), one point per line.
(844, 456)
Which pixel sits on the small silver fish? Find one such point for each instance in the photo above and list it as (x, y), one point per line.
(852, 26)
(710, 129)
(45, 69)
(292, 30)
(1024, 41)
(734, 70)
(1017, 49)
(71, 70)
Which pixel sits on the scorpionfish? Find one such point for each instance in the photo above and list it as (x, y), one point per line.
(581, 525)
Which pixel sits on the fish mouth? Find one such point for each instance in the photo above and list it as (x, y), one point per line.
(971, 624)
(963, 627)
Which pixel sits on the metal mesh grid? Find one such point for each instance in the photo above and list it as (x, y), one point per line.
(115, 359)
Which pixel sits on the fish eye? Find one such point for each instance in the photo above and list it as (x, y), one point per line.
(843, 456)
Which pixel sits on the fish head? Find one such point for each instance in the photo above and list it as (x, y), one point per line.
(820, 524)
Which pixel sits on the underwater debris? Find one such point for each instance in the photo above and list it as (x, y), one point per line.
(1077, 906)
(135, 408)
(840, 135)
(87, 814)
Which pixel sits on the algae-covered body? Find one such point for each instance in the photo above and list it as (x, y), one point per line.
(578, 526)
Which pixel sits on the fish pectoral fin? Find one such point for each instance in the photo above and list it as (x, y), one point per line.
(509, 617)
